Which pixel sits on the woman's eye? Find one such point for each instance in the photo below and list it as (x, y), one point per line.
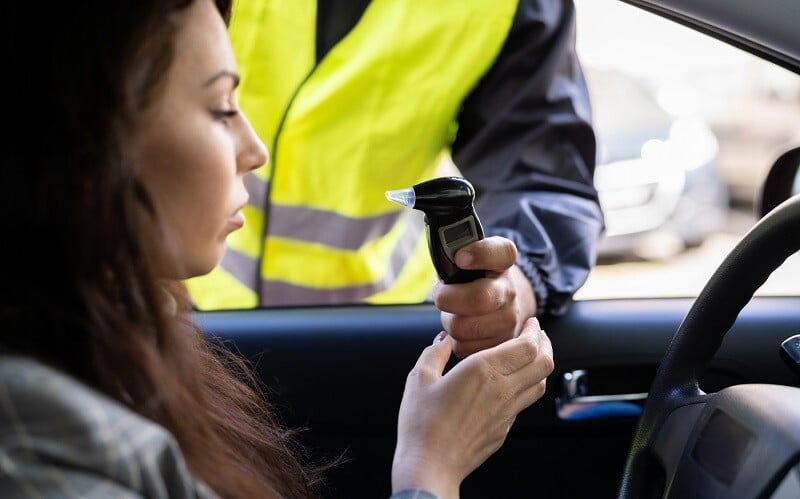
(224, 114)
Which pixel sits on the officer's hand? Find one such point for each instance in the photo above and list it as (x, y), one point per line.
(488, 311)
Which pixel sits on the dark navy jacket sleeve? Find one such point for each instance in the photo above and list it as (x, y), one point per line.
(526, 142)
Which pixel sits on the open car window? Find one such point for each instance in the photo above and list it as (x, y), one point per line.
(687, 128)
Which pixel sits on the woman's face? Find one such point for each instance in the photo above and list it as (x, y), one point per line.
(197, 146)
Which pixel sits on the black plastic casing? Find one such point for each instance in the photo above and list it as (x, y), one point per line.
(446, 202)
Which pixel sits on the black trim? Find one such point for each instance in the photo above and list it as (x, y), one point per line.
(725, 34)
(335, 19)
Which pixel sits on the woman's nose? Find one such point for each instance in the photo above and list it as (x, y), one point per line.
(252, 153)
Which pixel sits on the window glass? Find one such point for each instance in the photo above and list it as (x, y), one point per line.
(687, 129)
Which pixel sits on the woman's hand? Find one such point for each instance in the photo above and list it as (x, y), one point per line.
(488, 311)
(449, 424)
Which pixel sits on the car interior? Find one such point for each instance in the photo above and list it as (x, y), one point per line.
(691, 396)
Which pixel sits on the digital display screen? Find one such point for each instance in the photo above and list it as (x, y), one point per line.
(460, 231)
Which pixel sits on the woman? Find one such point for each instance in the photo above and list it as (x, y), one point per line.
(134, 181)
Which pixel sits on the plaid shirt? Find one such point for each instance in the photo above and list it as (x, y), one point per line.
(59, 438)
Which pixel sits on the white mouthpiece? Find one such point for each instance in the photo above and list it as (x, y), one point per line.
(403, 197)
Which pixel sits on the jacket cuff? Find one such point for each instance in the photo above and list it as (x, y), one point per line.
(540, 290)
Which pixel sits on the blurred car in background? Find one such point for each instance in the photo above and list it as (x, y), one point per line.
(656, 173)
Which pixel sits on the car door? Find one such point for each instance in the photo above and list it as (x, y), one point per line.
(339, 371)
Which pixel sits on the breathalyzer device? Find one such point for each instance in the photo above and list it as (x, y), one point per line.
(450, 222)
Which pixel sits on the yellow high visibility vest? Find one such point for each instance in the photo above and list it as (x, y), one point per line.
(376, 113)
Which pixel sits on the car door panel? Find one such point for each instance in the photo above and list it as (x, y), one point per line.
(339, 372)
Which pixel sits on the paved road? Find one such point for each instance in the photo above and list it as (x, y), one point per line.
(686, 273)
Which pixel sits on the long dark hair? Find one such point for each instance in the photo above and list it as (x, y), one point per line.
(81, 290)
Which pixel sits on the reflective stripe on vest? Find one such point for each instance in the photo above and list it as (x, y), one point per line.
(375, 114)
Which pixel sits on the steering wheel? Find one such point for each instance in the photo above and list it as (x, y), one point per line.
(739, 442)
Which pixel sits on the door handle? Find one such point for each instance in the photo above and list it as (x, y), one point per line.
(575, 403)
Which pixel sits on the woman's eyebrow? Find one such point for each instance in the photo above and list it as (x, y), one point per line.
(221, 74)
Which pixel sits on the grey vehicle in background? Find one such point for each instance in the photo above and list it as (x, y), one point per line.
(656, 173)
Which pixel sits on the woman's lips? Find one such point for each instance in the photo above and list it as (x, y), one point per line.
(236, 221)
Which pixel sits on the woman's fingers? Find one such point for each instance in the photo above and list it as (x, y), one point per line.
(450, 423)
(516, 369)
(532, 346)
(433, 359)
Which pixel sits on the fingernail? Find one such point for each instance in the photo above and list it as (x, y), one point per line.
(465, 259)
(440, 337)
(536, 321)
